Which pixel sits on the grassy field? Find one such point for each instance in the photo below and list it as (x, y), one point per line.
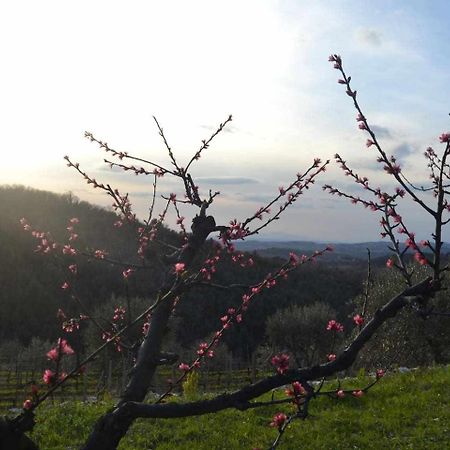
(403, 411)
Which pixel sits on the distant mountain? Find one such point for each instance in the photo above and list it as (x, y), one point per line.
(343, 252)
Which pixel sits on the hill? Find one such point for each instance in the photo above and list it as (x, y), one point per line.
(31, 283)
(342, 252)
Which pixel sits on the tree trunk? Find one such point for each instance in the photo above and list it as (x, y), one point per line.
(109, 429)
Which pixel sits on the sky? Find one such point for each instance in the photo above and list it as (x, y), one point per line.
(109, 66)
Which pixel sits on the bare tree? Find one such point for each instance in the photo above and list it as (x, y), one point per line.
(183, 269)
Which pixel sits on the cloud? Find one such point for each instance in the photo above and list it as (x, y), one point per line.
(107, 168)
(143, 194)
(253, 197)
(227, 180)
(402, 151)
(381, 132)
(227, 129)
(369, 36)
(365, 164)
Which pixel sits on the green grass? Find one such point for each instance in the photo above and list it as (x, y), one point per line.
(403, 411)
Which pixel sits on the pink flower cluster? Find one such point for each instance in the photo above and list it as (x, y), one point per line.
(297, 390)
(100, 254)
(235, 231)
(359, 320)
(281, 362)
(119, 314)
(46, 244)
(145, 237)
(179, 268)
(333, 325)
(55, 354)
(62, 348)
(209, 267)
(278, 420)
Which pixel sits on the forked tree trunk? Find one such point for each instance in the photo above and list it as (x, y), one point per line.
(110, 429)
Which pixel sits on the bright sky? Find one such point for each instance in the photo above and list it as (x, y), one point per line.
(109, 66)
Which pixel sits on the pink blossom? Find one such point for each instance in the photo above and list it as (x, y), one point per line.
(127, 273)
(48, 376)
(410, 243)
(340, 393)
(68, 250)
(256, 290)
(179, 268)
(393, 169)
(335, 58)
(27, 404)
(66, 349)
(334, 325)
(278, 420)
(297, 389)
(444, 137)
(282, 190)
(390, 263)
(53, 354)
(184, 367)
(359, 320)
(65, 285)
(74, 220)
(63, 376)
(420, 259)
(119, 314)
(358, 393)
(100, 254)
(281, 362)
(293, 259)
(73, 268)
(118, 224)
(380, 373)
(331, 357)
(369, 143)
(202, 348)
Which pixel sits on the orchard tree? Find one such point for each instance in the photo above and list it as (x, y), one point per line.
(183, 267)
